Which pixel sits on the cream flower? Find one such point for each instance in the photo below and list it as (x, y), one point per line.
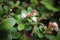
(34, 19)
(56, 26)
(10, 9)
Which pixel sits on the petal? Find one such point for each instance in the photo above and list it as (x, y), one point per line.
(56, 26)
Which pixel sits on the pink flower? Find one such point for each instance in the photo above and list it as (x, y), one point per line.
(56, 26)
(34, 12)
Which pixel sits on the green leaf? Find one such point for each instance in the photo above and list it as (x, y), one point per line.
(46, 15)
(7, 24)
(6, 9)
(31, 22)
(17, 17)
(40, 35)
(36, 30)
(48, 5)
(33, 1)
(11, 3)
(23, 37)
(29, 9)
(1, 1)
(1, 11)
(28, 28)
(13, 29)
(20, 20)
(51, 37)
(15, 35)
(18, 11)
(58, 35)
(21, 27)
(17, 3)
(9, 37)
(41, 28)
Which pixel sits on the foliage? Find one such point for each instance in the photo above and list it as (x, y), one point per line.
(29, 20)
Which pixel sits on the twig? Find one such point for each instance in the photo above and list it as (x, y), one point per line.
(39, 19)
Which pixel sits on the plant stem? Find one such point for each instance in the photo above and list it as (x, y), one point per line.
(39, 19)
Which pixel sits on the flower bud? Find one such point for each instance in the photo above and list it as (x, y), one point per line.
(50, 24)
(45, 28)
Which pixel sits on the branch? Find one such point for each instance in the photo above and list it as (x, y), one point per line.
(36, 24)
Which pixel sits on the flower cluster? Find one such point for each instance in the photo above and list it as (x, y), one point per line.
(32, 14)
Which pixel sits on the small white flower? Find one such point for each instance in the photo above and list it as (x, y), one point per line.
(10, 9)
(56, 26)
(34, 19)
(23, 14)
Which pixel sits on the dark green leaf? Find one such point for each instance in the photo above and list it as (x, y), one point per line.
(28, 28)
(1, 11)
(6, 9)
(58, 35)
(40, 35)
(7, 24)
(15, 35)
(17, 3)
(51, 37)
(11, 3)
(48, 5)
(36, 30)
(1, 1)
